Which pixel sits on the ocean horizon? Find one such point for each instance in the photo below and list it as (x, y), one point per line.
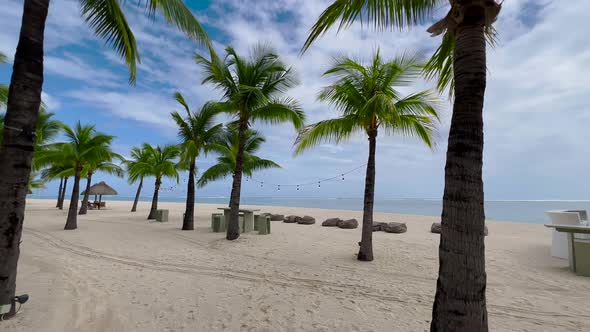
(523, 211)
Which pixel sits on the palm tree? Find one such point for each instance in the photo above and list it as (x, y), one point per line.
(107, 19)
(160, 163)
(84, 145)
(251, 87)
(368, 98)
(3, 88)
(58, 170)
(227, 148)
(460, 301)
(102, 164)
(197, 132)
(138, 155)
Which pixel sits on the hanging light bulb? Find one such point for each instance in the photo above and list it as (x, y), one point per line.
(297, 187)
(342, 177)
(279, 187)
(319, 185)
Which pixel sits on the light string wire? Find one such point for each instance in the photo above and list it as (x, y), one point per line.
(279, 185)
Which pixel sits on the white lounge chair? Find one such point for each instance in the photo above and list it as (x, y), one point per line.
(559, 244)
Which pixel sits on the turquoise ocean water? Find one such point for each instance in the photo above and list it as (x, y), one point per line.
(516, 211)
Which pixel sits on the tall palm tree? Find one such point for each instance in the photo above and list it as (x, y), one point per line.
(197, 131)
(104, 164)
(368, 98)
(227, 148)
(107, 19)
(138, 155)
(460, 301)
(84, 145)
(252, 88)
(161, 162)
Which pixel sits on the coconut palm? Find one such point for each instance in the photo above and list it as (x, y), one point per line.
(58, 170)
(3, 88)
(460, 301)
(138, 155)
(227, 148)
(104, 164)
(161, 162)
(368, 98)
(197, 131)
(107, 19)
(252, 88)
(84, 145)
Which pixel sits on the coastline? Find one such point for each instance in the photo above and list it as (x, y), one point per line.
(119, 272)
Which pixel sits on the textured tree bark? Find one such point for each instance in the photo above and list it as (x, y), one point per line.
(154, 207)
(188, 223)
(62, 194)
(366, 247)
(460, 301)
(16, 153)
(84, 207)
(233, 227)
(72, 220)
(134, 208)
(61, 183)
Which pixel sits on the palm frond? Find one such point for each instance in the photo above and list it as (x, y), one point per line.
(332, 130)
(109, 23)
(381, 14)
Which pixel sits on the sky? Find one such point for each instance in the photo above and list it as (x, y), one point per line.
(536, 112)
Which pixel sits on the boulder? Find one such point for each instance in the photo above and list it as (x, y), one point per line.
(378, 226)
(436, 228)
(332, 222)
(306, 220)
(277, 217)
(348, 224)
(394, 227)
(291, 219)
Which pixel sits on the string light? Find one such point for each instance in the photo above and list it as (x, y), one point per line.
(319, 182)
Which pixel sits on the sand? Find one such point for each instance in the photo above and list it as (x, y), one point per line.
(118, 272)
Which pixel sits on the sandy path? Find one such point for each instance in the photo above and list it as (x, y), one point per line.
(118, 272)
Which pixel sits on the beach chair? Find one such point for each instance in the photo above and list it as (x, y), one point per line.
(559, 242)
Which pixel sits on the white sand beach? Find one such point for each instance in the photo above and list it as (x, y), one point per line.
(118, 272)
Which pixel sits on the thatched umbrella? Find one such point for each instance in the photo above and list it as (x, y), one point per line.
(100, 189)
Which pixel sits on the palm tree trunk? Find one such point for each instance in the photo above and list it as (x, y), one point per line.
(72, 221)
(84, 207)
(134, 208)
(62, 196)
(188, 223)
(460, 301)
(16, 153)
(366, 247)
(233, 227)
(61, 183)
(154, 207)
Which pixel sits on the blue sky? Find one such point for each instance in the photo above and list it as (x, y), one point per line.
(536, 112)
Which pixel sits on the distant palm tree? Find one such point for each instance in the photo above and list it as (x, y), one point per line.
(83, 146)
(105, 164)
(460, 61)
(227, 148)
(46, 129)
(369, 100)
(161, 162)
(252, 88)
(3, 88)
(107, 19)
(58, 170)
(197, 131)
(138, 155)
